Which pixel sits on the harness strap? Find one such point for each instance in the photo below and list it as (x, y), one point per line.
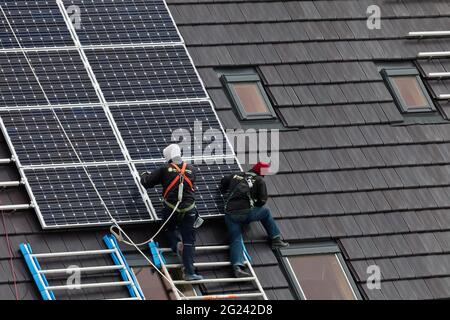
(181, 173)
(232, 192)
(184, 210)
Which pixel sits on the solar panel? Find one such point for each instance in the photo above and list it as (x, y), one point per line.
(120, 94)
(209, 199)
(123, 22)
(153, 73)
(61, 74)
(40, 140)
(65, 196)
(147, 129)
(36, 23)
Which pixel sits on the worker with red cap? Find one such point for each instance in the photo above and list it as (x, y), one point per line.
(245, 203)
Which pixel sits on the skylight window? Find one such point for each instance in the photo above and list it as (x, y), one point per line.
(319, 273)
(408, 90)
(248, 96)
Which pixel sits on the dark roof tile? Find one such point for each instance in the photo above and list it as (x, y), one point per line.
(413, 289)
(352, 250)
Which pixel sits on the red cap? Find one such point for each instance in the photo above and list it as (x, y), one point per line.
(261, 168)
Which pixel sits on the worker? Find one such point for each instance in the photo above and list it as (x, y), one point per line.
(174, 173)
(245, 203)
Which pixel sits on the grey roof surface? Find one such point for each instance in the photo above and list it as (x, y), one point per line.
(350, 170)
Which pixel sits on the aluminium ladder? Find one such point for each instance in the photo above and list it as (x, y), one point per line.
(120, 264)
(159, 260)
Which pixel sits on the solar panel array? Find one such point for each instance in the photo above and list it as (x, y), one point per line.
(92, 91)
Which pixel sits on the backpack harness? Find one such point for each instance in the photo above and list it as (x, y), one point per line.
(249, 179)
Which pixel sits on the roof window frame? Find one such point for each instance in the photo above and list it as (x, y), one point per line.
(229, 80)
(327, 248)
(389, 74)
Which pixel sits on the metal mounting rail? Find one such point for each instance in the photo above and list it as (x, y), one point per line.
(14, 207)
(424, 34)
(438, 75)
(8, 184)
(444, 97)
(6, 161)
(437, 54)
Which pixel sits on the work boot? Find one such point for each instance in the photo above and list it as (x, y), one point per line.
(192, 277)
(278, 243)
(239, 273)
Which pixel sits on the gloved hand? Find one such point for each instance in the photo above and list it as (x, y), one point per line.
(143, 174)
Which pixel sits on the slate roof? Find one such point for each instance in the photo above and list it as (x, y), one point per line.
(351, 170)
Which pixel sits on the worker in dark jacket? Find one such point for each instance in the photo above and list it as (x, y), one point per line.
(170, 176)
(247, 195)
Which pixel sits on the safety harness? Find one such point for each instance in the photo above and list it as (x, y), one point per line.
(181, 177)
(249, 179)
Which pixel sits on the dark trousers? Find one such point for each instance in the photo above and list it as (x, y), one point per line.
(234, 224)
(183, 225)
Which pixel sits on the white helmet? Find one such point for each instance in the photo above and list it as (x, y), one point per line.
(172, 152)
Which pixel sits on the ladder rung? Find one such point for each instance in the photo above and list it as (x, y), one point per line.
(225, 296)
(83, 269)
(90, 285)
(202, 248)
(129, 298)
(444, 96)
(218, 280)
(71, 254)
(200, 265)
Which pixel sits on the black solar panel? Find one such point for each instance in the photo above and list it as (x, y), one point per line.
(123, 22)
(148, 93)
(39, 139)
(60, 73)
(156, 73)
(148, 129)
(37, 23)
(209, 199)
(66, 197)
